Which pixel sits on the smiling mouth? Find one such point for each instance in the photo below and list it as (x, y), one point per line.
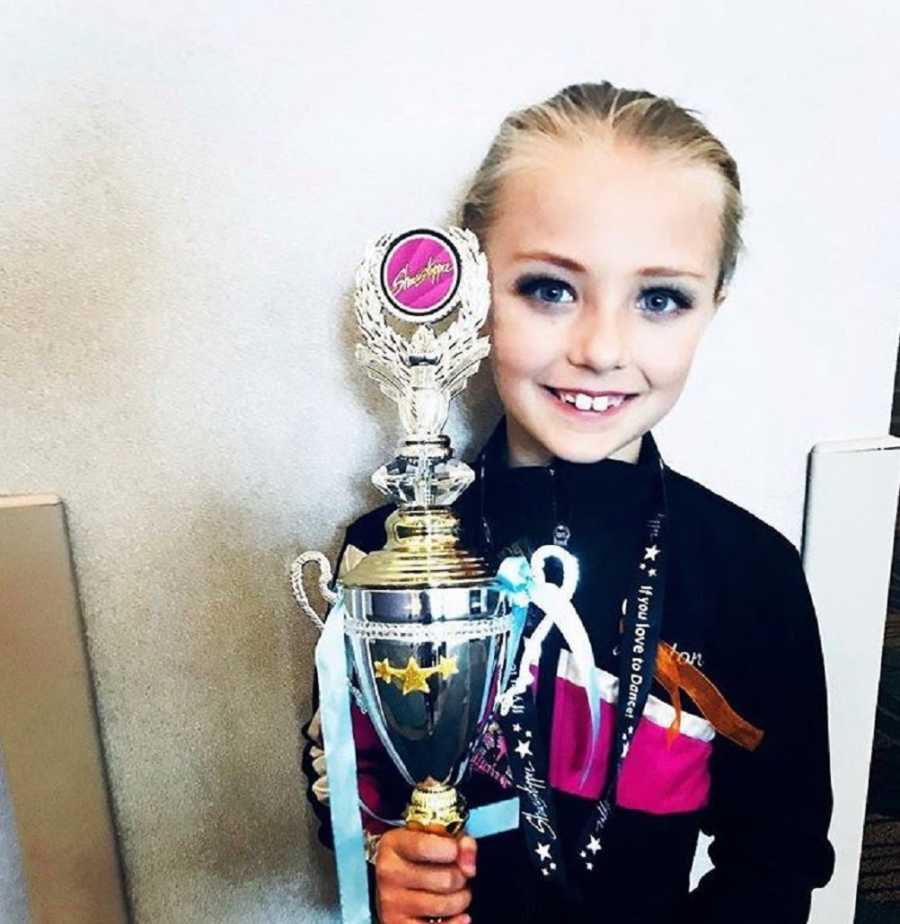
(591, 402)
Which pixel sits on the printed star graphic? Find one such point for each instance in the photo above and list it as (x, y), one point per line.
(523, 749)
(543, 851)
(413, 678)
(651, 572)
(589, 865)
(583, 854)
(552, 866)
(643, 566)
(651, 552)
(517, 727)
(594, 845)
(546, 872)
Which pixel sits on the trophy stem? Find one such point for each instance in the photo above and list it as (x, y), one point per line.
(436, 808)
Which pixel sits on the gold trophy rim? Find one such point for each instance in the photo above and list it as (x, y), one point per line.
(422, 552)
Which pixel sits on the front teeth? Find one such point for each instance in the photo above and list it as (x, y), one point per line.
(587, 403)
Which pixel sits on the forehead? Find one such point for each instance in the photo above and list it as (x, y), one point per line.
(610, 206)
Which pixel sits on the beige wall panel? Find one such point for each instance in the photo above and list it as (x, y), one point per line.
(48, 725)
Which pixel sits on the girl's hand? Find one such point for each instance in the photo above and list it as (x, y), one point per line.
(420, 876)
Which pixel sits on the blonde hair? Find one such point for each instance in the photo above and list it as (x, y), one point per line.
(588, 111)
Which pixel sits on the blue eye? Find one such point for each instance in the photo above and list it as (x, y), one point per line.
(662, 301)
(545, 289)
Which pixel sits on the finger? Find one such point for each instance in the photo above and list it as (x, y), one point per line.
(419, 847)
(468, 852)
(442, 878)
(406, 906)
(430, 905)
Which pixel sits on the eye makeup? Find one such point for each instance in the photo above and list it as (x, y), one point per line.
(665, 301)
(657, 302)
(544, 288)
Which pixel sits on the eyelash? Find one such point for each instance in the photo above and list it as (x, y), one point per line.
(530, 285)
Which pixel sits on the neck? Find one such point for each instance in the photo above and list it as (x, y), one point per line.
(629, 452)
(521, 448)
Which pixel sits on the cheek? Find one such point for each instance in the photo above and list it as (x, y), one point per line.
(521, 344)
(665, 355)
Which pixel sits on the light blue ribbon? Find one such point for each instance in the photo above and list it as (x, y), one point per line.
(514, 577)
(494, 818)
(343, 801)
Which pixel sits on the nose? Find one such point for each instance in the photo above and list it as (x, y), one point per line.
(599, 339)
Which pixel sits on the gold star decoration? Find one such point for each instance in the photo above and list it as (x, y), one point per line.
(413, 677)
(383, 670)
(447, 667)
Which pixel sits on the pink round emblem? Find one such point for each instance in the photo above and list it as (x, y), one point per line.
(420, 275)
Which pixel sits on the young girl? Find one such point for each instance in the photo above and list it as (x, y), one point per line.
(610, 219)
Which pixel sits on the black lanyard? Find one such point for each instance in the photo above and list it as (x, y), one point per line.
(637, 660)
(637, 663)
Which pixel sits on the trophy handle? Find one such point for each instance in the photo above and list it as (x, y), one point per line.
(325, 575)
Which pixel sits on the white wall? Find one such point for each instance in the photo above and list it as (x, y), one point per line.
(186, 189)
(848, 544)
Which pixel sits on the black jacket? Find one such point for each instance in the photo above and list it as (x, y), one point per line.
(738, 608)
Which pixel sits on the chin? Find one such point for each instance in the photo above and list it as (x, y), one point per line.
(585, 452)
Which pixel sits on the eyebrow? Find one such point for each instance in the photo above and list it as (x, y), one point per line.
(553, 258)
(668, 271)
(576, 267)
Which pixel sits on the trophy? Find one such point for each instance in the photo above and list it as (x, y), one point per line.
(427, 626)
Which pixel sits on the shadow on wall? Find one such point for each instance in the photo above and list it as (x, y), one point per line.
(227, 806)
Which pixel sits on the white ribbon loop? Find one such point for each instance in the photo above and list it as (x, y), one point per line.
(556, 604)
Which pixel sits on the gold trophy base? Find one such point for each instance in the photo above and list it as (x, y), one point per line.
(436, 808)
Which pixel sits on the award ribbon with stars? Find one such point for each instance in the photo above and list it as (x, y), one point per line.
(637, 662)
